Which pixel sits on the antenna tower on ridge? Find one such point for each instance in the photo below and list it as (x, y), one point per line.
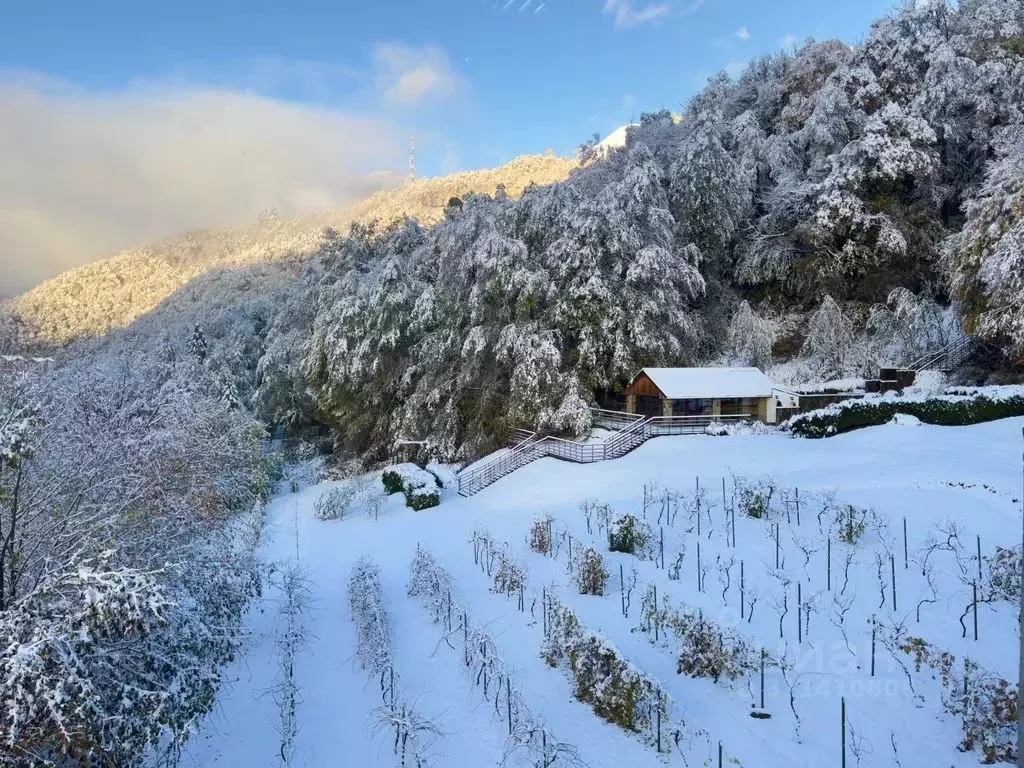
(412, 158)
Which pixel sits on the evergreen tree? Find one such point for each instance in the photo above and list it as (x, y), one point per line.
(197, 345)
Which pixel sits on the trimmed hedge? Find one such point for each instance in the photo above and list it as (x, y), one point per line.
(392, 482)
(418, 499)
(870, 413)
(420, 486)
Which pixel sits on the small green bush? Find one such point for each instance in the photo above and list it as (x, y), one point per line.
(605, 682)
(627, 534)
(754, 497)
(851, 523)
(421, 500)
(869, 413)
(392, 482)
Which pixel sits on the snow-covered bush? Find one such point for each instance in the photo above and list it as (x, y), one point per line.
(588, 572)
(410, 731)
(123, 593)
(1003, 570)
(750, 338)
(957, 408)
(627, 534)
(420, 486)
(616, 690)
(373, 627)
(849, 523)
(736, 428)
(540, 535)
(333, 502)
(705, 649)
(305, 468)
(754, 497)
(985, 703)
(510, 577)
(73, 650)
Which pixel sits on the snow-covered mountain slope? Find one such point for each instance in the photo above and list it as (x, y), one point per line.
(950, 484)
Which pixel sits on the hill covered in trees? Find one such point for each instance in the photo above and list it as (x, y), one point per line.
(841, 206)
(93, 299)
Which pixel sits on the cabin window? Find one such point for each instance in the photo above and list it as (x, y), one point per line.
(691, 407)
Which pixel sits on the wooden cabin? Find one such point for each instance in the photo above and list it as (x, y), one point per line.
(702, 392)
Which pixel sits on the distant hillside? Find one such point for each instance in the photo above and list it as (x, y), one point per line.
(93, 299)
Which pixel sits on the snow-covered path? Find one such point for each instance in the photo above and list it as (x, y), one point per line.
(902, 471)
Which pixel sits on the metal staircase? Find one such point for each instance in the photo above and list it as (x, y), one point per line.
(630, 431)
(948, 358)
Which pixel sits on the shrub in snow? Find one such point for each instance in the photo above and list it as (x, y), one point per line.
(1004, 574)
(985, 704)
(754, 497)
(718, 429)
(421, 498)
(332, 503)
(392, 481)
(306, 468)
(616, 690)
(509, 578)
(430, 582)
(588, 572)
(421, 487)
(100, 663)
(954, 409)
(627, 534)
(705, 648)
(368, 494)
(850, 523)
(540, 535)
(705, 651)
(373, 628)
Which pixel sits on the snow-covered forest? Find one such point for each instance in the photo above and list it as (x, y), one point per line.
(843, 207)
(829, 211)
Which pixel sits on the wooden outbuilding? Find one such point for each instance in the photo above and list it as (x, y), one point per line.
(702, 392)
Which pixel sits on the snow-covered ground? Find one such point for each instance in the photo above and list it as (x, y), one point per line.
(925, 474)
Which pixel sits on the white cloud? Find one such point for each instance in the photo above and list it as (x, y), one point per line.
(84, 174)
(787, 41)
(628, 16)
(743, 34)
(408, 76)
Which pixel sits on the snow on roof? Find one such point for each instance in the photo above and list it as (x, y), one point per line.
(682, 383)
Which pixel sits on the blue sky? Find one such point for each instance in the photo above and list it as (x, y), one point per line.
(122, 122)
(523, 79)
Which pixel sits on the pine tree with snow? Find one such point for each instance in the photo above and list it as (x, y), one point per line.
(750, 338)
(829, 340)
(197, 345)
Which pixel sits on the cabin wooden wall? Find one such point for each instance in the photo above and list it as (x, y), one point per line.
(644, 386)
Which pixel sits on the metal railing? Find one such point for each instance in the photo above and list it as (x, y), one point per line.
(950, 356)
(638, 431)
(614, 419)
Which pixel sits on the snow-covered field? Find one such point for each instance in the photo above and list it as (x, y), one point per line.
(931, 476)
